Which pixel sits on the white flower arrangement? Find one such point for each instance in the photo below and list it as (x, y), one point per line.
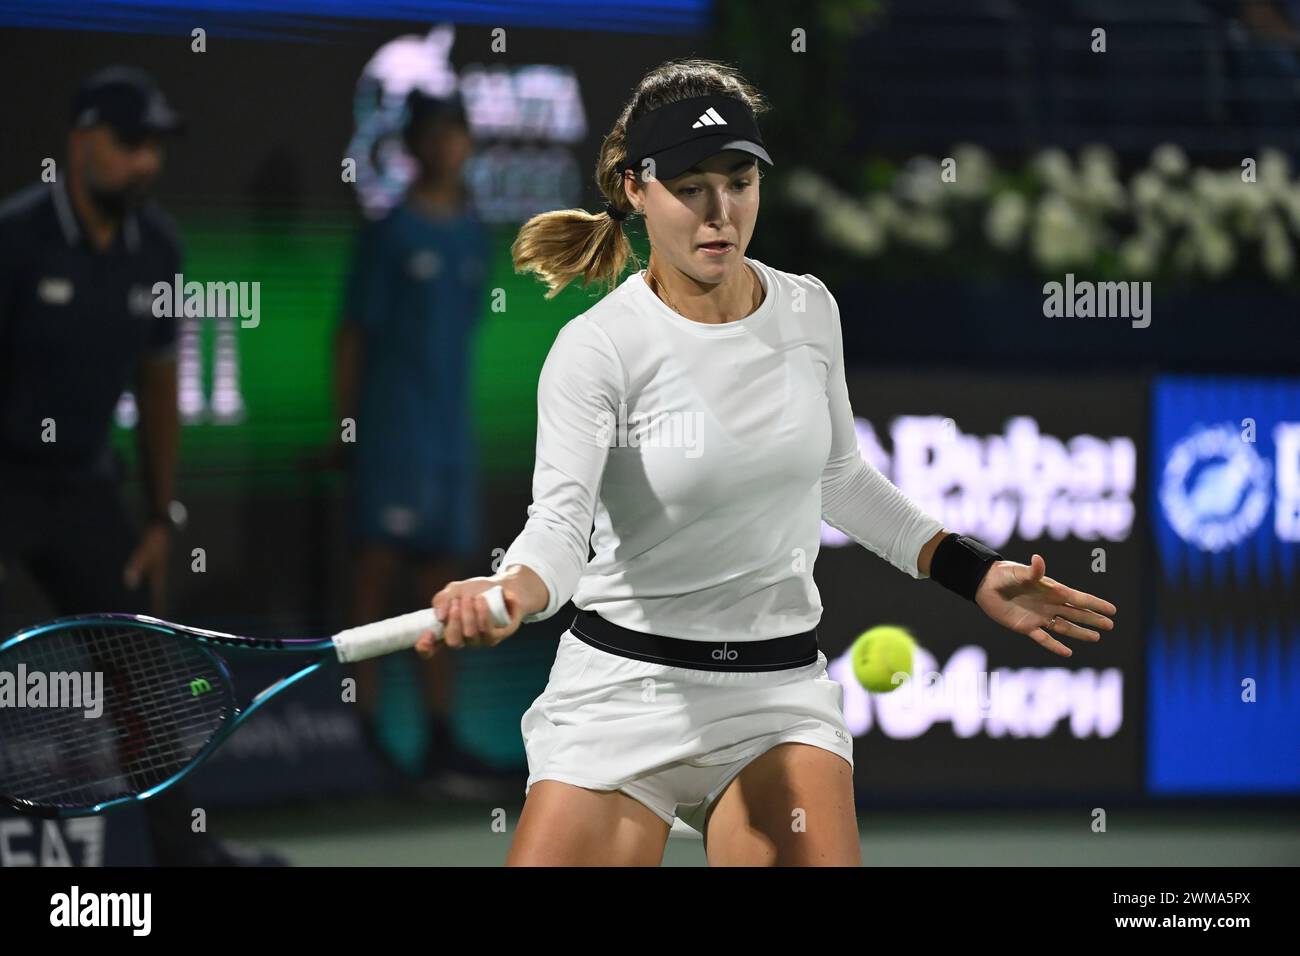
(1170, 219)
(1005, 222)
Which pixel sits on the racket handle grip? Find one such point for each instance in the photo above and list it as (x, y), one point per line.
(400, 633)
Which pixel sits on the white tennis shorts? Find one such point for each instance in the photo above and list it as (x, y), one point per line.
(672, 737)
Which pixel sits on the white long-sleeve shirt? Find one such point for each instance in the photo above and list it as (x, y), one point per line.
(707, 456)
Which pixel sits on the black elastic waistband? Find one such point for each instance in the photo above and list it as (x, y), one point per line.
(772, 654)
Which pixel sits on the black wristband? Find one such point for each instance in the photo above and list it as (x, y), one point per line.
(960, 563)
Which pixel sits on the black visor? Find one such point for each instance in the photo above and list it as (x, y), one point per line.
(679, 135)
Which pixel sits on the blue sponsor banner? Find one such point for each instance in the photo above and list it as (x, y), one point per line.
(1225, 494)
(295, 19)
(1223, 655)
(1223, 710)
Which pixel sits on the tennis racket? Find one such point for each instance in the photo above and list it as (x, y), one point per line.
(101, 710)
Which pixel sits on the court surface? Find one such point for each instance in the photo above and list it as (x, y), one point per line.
(379, 833)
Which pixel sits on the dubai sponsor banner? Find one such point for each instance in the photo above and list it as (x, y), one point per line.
(1026, 465)
(1224, 655)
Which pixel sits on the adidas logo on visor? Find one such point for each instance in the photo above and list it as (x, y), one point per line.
(709, 117)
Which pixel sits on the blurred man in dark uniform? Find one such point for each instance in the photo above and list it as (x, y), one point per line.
(79, 257)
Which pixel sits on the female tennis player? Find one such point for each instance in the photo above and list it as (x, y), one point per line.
(698, 415)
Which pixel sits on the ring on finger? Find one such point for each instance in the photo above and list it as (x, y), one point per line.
(1052, 623)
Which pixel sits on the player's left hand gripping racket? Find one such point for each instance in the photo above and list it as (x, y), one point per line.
(167, 701)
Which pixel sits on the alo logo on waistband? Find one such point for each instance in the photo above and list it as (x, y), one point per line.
(723, 654)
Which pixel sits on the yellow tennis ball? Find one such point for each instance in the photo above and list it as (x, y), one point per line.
(879, 654)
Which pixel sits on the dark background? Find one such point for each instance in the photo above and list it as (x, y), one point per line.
(957, 332)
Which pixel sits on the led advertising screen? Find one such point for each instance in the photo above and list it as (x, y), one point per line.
(1224, 668)
(1032, 465)
(272, 206)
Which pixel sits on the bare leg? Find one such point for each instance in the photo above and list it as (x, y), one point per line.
(792, 806)
(564, 825)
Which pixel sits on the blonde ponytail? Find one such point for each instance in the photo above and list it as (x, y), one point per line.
(568, 244)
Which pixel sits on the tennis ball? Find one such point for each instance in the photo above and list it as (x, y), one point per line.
(879, 654)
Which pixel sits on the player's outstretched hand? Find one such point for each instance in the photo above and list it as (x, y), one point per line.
(466, 618)
(1023, 598)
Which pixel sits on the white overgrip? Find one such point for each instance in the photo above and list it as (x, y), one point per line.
(385, 637)
(400, 633)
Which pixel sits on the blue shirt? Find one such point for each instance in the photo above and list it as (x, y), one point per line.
(416, 290)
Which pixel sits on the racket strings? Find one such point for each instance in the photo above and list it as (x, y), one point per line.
(162, 700)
